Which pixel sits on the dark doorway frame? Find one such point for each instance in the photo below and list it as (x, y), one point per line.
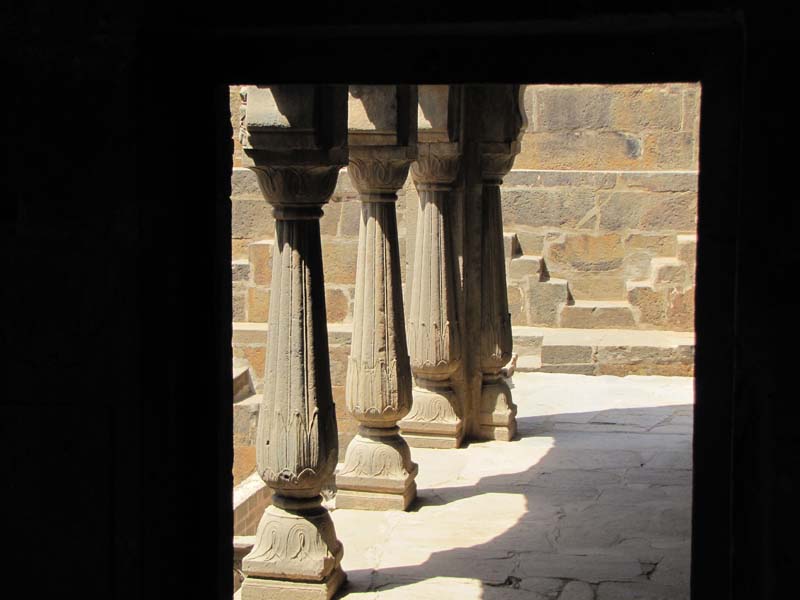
(187, 417)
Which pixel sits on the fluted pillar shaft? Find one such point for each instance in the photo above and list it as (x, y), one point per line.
(498, 142)
(296, 553)
(378, 472)
(436, 417)
(497, 416)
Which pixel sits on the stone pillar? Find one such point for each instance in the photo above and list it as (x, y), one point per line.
(296, 144)
(501, 127)
(436, 419)
(378, 472)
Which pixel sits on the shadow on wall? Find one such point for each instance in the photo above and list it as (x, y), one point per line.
(604, 505)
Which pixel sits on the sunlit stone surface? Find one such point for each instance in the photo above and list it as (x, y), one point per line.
(593, 497)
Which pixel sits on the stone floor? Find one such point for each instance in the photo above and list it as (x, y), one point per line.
(593, 501)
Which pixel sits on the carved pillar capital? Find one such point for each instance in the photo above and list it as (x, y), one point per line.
(437, 166)
(496, 161)
(378, 171)
(297, 186)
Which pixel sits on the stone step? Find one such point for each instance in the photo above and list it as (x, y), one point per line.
(604, 351)
(598, 314)
(668, 271)
(242, 382)
(245, 420)
(610, 351)
(240, 269)
(528, 266)
(546, 300)
(687, 252)
(511, 245)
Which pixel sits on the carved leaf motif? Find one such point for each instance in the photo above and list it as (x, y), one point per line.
(280, 539)
(378, 175)
(379, 375)
(433, 333)
(432, 408)
(434, 168)
(294, 450)
(370, 459)
(289, 185)
(496, 340)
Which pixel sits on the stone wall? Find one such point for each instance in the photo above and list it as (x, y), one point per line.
(599, 211)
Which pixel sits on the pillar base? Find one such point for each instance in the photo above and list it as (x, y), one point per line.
(295, 542)
(258, 588)
(378, 473)
(434, 420)
(364, 500)
(498, 416)
(440, 442)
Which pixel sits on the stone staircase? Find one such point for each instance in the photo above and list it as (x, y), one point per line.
(657, 290)
(617, 352)
(245, 404)
(534, 297)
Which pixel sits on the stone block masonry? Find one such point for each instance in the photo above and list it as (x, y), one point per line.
(617, 352)
(601, 207)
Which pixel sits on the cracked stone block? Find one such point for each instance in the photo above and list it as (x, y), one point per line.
(652, 304)
(244, 184)
(614, 590)
(240, 270)
(329, 223)
(577, 590)
(260, 255)
(582, 149)
(339, 260)
(573, 107)
(251, 218)
(545, 299)
(593, 569)
(239, 302)
(257, 304)
(659, 182)
(673, 570)
(547, 207)
(594, 286)
(669, 272)
(588, 252)
(350, 220)
(680, 309)
(511, 246)
(337, 305)
(531, 243)
(566, 354)
(598, 315)
(527, 266)
(578, 369)
(656, 243)
(652, 109)
(648, 211)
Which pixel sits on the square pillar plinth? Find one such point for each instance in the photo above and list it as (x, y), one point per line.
(256, 588)
(501, 433)
(373, 500)
(441, 442)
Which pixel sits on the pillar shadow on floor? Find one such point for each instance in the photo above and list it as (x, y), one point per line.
(609, 505)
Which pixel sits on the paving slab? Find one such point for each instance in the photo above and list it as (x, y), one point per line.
(554, 514)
